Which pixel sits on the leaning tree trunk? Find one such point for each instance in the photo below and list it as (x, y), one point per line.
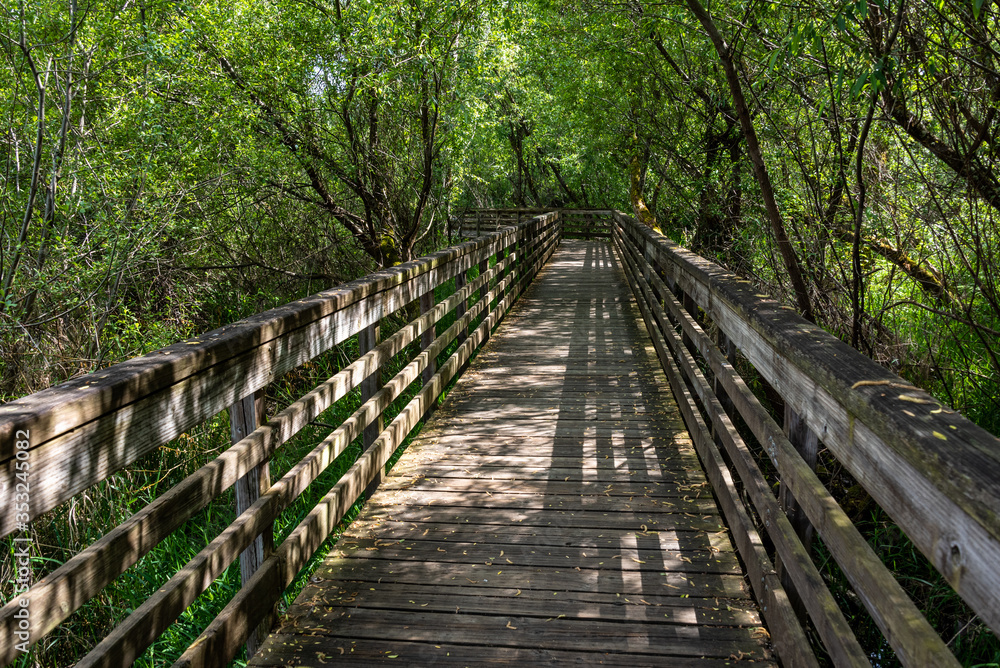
(788, 256)
(639, 206)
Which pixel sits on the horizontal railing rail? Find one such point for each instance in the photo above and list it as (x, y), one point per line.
(83, 431)
(576, 223)
(936, 474)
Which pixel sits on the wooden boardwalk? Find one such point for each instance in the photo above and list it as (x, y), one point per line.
(553, 510)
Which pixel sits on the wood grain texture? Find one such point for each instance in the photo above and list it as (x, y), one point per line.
(64, 407)
(933, 471)
(559, 535)
(131, 637)
(245, 416)
(909, 633)
(86, 429)
(220, 641)
(64, 590)
(788, 634)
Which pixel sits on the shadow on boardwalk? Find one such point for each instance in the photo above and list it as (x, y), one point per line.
(552, 511)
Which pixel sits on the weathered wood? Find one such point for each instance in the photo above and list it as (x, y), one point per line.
(557, 476)
(107, 420)
(787, 633)
(729, 352)
(618, 578)
(933, 471)
(368, 338)
(914, 640)
(542, 243)
(425, 479)
(804, 439)
(460, 282)
(652, 559)
(641, 517)
(128, 641)
(640, 504)
(143, 626)
(600, 520)
(483, 267)
(83, 576)
(60, 409)
(221, 639)
(653, 608)
(829, 621)
(112, 554)
(379, 294)
(245, 417)
(874, 584)
(558, 633)
(525, 535)
(426, 304)
(485, 462)
(374, 652)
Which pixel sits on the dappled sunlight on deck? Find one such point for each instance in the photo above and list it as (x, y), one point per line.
(552, 510)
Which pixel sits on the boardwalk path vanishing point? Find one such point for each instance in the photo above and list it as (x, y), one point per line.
(552, 510)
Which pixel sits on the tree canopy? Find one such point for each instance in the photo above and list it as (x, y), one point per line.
(170, 166)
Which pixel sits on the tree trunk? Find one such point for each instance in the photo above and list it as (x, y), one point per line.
(788, 256)
(642, 212)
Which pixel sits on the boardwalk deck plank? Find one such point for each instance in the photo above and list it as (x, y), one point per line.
(552, 511)
(520, 534)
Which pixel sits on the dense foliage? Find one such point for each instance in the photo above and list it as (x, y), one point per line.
(170, 166)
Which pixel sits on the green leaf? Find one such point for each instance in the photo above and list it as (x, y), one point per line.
(773, 59)
(859, 83)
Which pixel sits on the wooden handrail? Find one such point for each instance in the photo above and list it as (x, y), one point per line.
(220, 640)
(933, 471)
(576, 223)
(118, 411)
(108, 419)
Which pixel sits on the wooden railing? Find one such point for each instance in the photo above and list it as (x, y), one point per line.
(576, 223)
(934, 472)
(79, 433)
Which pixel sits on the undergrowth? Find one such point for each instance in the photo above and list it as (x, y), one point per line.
(68, 529)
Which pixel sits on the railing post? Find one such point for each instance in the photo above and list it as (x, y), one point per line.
(647, 265)
(807, 444)
(244, 417)
(656, 269)
(509, 270)
(691, 306)
(484, 266)
(518, 266)
(368, 338)
(728, 349)
(427, 338)
(461, 280)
